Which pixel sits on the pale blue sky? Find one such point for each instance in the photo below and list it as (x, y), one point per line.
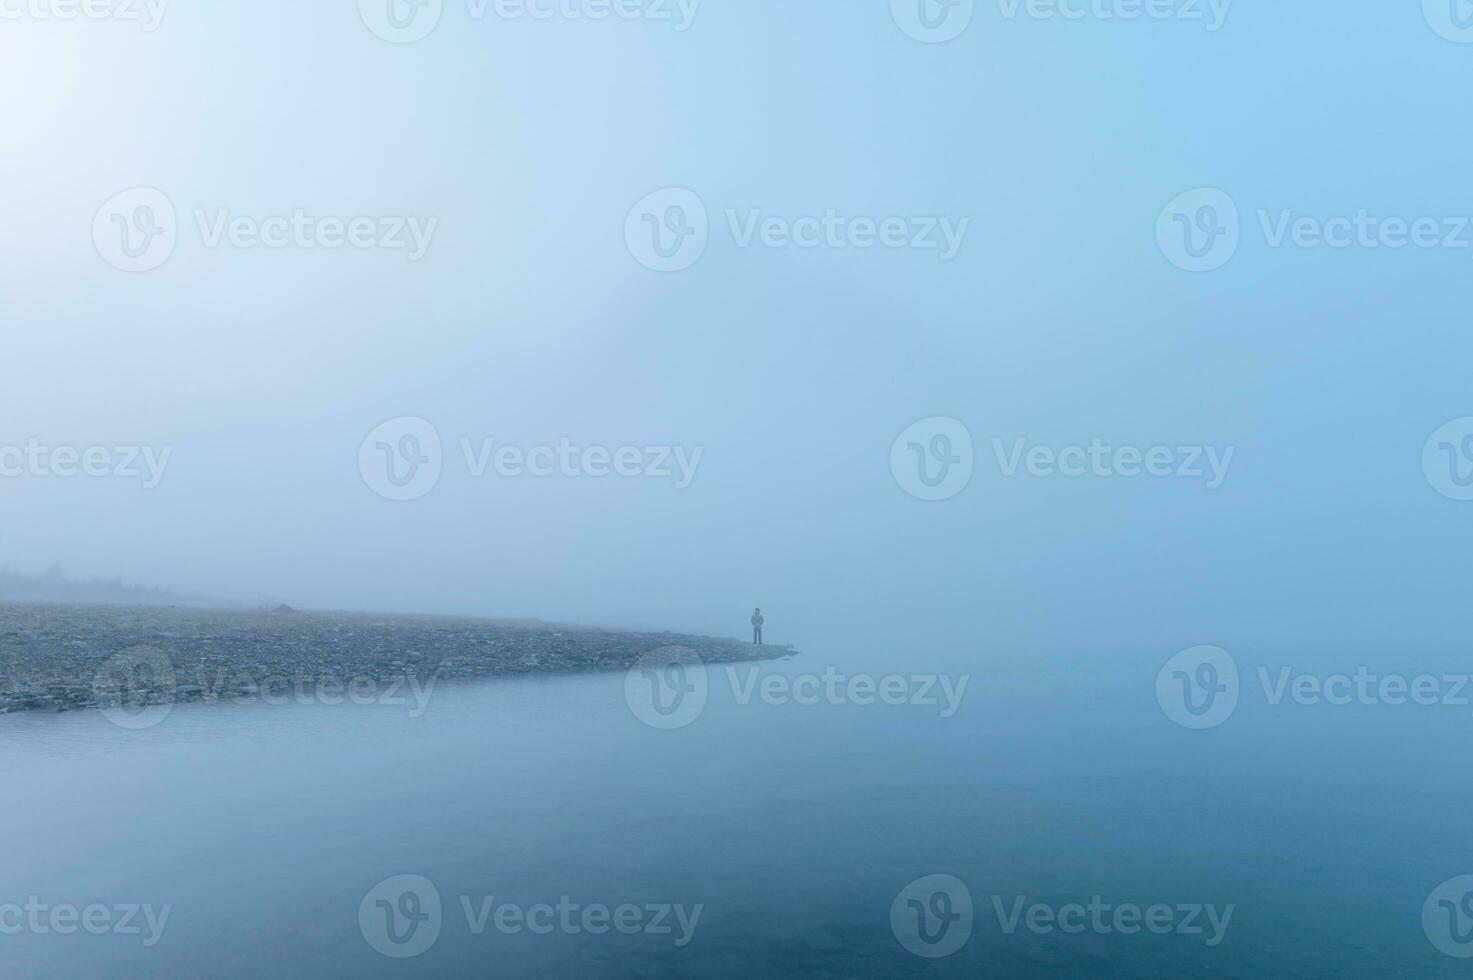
(529, 320)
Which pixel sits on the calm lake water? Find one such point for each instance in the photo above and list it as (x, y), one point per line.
(793, 827)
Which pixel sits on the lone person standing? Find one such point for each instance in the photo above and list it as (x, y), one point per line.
(757, 622)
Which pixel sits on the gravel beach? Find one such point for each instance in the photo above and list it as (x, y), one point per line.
(62, 657)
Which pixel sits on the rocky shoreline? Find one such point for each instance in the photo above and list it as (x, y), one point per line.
(56, 657)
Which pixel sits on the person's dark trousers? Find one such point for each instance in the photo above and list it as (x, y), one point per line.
(757, 635)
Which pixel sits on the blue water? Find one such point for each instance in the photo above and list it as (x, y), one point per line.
(793, 826)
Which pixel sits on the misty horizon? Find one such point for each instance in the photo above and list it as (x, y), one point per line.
(613, 488)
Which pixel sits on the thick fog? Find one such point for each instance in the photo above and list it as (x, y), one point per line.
(505, 291)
